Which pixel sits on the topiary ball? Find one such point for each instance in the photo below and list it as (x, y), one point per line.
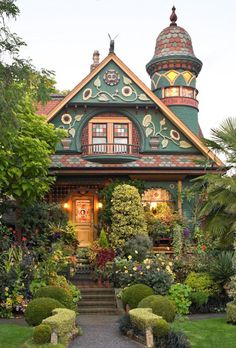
(134, 294)
(160, 305)
(42, 334)
(58, 293)
(161, 328)
(39, 309)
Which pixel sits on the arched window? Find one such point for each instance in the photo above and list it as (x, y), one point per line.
(159, 201)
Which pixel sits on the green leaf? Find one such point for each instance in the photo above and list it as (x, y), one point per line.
(184, 144)
(97, 82)
(126, 80)
(103, 97)
(143, 97)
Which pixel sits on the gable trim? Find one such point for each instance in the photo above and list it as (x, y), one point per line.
(167, 112)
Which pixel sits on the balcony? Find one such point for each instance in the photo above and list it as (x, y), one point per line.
(110, 153)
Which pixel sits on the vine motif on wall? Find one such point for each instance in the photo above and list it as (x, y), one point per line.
(69, 123)
(163, 135)
(128, 93)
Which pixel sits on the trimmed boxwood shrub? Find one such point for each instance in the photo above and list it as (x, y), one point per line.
(134, 294)
(231, 312)
(39, 309)
(58, 293)
(42, 334)
(161, 328)
(160, 305)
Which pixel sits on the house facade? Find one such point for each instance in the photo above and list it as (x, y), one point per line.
(118, 128)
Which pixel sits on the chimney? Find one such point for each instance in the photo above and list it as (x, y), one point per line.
(96, 55)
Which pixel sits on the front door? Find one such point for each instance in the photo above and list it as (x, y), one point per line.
(83, 219)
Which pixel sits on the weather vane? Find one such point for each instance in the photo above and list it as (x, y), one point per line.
(112, 43)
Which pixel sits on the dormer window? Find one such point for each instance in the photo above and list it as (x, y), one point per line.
(108, 135)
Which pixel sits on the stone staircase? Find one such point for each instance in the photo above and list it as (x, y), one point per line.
(97, 301)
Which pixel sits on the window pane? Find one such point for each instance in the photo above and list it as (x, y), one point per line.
(119, 148)
(99, 130)
(187, 92)
(100, 146)
(172, 92)
(121, 130)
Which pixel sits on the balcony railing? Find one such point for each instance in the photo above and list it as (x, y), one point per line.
(110, 149)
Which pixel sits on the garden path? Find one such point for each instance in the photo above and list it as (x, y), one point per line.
(101, 331)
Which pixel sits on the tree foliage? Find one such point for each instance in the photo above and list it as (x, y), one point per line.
(128, 217)
(219, 190)
(18, 77)
(26, 140)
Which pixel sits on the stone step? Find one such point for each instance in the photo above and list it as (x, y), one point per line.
(97, 304)
(98, 297)
(97, 291)
(98, 310)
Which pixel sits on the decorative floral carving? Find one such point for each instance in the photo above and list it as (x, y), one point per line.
(128, 93)
(69, 123)
(111, 77)
(163, 133)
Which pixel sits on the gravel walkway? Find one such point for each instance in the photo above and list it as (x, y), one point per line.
(101, 331)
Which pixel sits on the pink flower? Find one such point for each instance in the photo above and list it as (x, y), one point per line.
(23, 239)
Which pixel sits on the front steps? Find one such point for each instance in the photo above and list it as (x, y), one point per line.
(97, 301)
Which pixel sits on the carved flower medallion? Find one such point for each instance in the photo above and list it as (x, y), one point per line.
(111, 77)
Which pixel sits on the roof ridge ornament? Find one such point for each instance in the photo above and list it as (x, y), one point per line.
(112, 43)
(173, 17)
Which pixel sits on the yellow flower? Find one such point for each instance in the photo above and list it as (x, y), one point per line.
(141, 273)
(148, 266)
(6, 289)
(158, 269)
(126, 271)
(134, 268)
(171, 263)
(129, 257)
(136, 251)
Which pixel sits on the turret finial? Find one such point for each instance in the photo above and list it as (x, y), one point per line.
(173, 16)
(112, 44)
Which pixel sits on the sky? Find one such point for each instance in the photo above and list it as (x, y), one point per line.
(62, 36)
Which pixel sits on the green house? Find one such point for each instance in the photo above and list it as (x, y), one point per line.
(119, 128)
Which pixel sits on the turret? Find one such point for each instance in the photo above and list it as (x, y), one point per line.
(173, 71)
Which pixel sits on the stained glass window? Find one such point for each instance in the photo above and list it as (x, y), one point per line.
(120, 130)
(172, 92)
(188, 92)
(99, 129)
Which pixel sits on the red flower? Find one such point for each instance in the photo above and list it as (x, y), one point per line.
(5, 236)
(203, 247)
(14, 232)
(10, 228)
(23, 239)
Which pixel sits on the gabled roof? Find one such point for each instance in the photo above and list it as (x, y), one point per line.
(165, 110)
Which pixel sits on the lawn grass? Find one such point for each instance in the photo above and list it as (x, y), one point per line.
(209, 333)
(13, 336)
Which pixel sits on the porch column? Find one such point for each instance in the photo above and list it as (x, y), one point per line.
(180, 208)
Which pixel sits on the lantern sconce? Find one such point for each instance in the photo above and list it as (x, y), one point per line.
(100, 205)
(66, 206)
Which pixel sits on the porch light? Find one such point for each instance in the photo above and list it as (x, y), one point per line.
(66, 205)
(100, 205)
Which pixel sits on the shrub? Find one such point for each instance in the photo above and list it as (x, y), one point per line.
(143, 318)
(180, 295)
(134, 294)
(137, 247)
(199, 298)
(59, 280)
(127, 215)
(39, 309)
(160, 305)
(231, 312)
(161, 328)
(103, 242)
(221, 267)
(174, 339)
(58, 293)
(63, 323)
(155, 272)
(202, 285)
(42, 334)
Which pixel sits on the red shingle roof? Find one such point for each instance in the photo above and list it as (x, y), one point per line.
(46, 108)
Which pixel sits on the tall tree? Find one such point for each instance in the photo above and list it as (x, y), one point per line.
(219, 190)
(18, 76)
